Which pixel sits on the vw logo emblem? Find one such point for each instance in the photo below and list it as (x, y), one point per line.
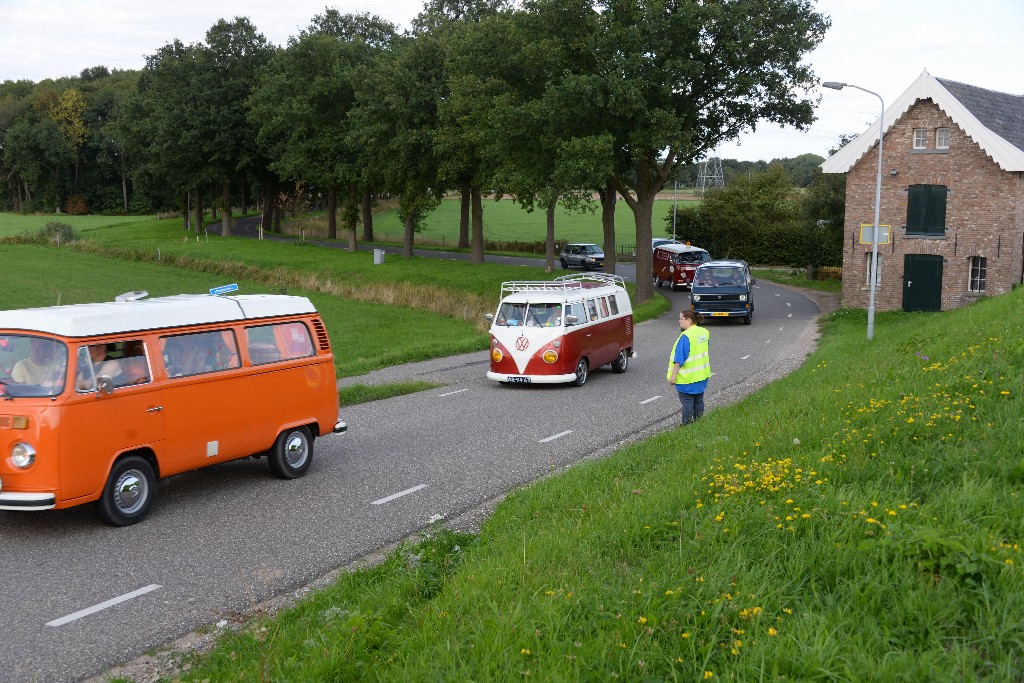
(522, 343)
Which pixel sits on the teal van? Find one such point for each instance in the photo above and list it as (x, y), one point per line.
(723, 289)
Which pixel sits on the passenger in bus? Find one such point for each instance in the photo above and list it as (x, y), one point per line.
(133, 364)
(102, 364)
(39, 367)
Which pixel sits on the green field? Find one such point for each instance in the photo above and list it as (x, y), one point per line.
(504, 220)
(403, 310)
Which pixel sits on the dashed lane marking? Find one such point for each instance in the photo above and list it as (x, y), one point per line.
(103, 605)
(556, 436)
(452, 393)
(393, 496)
(650, 400)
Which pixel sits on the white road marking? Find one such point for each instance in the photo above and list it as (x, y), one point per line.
(103, 605)
(650, 400)
(790, 315)
(777, 294)
(406, 492)
(788, 304)
(452, 393)
(556, 436)
(780, 329)
(767, 341)
(745, 357)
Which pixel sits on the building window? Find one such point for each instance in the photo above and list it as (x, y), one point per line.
(942, 138)
(920, 138)
(867, 271)
(926, 210)
(977, 282)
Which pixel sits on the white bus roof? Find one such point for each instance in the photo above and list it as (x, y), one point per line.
(561, 288)
(678, 248)
(113, 317)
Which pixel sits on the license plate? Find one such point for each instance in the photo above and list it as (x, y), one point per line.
(719, 315)
(519, 380)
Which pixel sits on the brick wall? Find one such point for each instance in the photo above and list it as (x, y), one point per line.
(984, 213)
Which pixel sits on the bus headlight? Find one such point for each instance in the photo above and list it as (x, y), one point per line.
(743, 297)
(496, 355)
(23, 455)
(696, 297)
(550, 356)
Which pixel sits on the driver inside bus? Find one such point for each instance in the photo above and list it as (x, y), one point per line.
(39, 367)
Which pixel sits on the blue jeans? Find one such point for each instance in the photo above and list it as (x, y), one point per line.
(693, 406)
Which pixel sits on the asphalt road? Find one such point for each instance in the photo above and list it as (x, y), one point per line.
(79, 597)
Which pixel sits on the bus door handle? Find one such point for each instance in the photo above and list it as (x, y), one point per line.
(154, 409)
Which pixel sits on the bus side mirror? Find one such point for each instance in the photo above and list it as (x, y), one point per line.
(753, 281)
(571, 319)
(105, 384)
(489, 317)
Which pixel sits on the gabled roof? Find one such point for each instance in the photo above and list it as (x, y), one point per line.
(994, 120)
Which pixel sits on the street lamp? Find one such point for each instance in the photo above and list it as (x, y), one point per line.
(878, 200)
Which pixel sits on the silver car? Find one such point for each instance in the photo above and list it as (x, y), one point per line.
(583, 256)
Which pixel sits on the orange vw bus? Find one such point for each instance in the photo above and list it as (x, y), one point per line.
(98, 401)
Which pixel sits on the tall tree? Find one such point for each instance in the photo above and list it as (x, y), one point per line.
(679, 78)
(234, 56)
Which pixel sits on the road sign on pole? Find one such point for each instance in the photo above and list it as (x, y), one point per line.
(867, 231)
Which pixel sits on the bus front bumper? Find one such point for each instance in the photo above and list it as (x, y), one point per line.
(30, 501)
(531, 379)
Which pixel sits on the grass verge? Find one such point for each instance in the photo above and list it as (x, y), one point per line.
(362, 393)
(797, 278)
(860, 519)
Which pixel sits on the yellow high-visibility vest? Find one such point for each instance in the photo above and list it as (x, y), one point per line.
(698, 364)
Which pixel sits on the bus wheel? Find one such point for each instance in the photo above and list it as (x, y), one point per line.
(128, 495)
(748, 318)
(657, 281)
(292, 453)
(621, 361)
(581, 373)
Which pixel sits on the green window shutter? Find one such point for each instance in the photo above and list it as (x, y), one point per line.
(936, 210)
(916, 203)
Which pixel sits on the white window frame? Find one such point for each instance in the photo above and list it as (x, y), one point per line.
(942, 136)
(920, 138)
(867, 271)
(977, 273)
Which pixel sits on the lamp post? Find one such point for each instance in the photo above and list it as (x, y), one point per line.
(878, 200)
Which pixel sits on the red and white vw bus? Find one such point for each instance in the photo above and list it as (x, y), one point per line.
(557, 331)
(674, 264)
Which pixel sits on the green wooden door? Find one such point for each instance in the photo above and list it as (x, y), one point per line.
(922, 282)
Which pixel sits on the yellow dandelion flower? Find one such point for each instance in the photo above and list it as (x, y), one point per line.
(772, 631)
(642, 620)
(524, 651)
(708, 675)
(669, 592)
(685, 635)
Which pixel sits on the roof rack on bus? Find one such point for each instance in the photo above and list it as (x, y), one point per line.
(563, 283)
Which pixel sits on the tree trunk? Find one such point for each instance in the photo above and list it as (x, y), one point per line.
(266, 220)
(643, 209)
(477, 243)
(198, 208)
(367, 211)
(549, 239)
(245, 199)
(184, 214)
(332, 212)
(278, 216)
(608, 224)
(124, 190)
(410, 230)
(225, 198)
(464, 218)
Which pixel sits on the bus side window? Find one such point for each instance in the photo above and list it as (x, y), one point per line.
(85, 380)
(613, 301)
(592, 307)
(604, 307)
(198, 353)
(280, 341)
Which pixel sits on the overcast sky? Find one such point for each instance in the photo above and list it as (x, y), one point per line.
(881, 45)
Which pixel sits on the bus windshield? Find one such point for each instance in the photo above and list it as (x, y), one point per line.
(32, 366)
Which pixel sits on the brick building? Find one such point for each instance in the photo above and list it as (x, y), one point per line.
(952, 194)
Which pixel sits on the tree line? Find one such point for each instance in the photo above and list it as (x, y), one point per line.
(542, 101)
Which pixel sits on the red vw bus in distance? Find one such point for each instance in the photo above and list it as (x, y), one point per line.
(674, 264)
(557, 331)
